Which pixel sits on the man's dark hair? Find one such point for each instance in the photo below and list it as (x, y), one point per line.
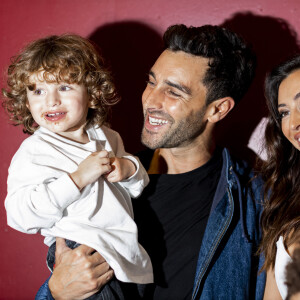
(231, 61)
(293, 274)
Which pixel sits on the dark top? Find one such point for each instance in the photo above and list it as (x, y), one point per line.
(171, 216)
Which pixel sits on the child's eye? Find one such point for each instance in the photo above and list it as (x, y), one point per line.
(64, 88)
(39, 92)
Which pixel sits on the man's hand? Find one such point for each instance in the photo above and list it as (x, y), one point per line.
(78, 273)
(122, 168)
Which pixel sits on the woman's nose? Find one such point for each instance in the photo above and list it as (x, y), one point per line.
(295, 120)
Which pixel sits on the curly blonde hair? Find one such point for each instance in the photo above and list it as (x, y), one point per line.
(65, 58)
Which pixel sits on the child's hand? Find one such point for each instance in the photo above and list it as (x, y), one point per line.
(90, 169)
(122, 168)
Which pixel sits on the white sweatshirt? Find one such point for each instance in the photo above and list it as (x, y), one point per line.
(281, 261)
(42, 198)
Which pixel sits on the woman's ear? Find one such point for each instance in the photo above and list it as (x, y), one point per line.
(219, 109)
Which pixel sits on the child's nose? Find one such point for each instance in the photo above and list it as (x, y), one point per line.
(53, 99)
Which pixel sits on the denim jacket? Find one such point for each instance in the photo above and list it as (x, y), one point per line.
(228, 267)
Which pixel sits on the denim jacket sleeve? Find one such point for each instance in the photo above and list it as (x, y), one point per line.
(44, 292)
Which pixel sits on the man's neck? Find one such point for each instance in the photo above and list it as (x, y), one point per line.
(180, 160)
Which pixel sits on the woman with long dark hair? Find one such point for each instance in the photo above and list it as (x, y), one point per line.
(281, 216)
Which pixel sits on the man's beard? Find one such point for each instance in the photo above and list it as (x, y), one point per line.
(179, 136)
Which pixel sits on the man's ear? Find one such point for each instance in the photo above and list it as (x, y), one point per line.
(219, 109)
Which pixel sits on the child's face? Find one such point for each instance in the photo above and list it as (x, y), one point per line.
(60, 107)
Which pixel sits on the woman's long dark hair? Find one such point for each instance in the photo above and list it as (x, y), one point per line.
(281, 172)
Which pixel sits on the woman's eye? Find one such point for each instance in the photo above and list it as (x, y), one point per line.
(64, 88)
(283, 114)
(39, 92)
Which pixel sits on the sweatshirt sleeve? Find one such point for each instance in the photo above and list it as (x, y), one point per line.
(36, 194)
(139, 180)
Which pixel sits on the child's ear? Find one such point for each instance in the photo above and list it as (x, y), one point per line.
(219, 109)
(90, 103)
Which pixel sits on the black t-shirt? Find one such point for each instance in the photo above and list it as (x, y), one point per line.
(171, 216)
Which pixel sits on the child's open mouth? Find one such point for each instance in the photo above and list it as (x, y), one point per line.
(54, 116)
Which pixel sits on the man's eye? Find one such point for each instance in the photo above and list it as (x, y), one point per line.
(39, 92)
(174, 94)
(64, 88)
(149, 82)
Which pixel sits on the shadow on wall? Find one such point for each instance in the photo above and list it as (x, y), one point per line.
(273, 41)
(130, 48)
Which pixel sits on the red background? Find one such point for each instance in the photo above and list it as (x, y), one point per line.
(129, 33)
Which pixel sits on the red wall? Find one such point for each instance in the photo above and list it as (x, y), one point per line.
(129, 32)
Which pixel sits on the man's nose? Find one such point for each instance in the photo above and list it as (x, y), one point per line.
(153, 98)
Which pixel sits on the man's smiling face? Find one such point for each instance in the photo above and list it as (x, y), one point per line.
(174, 100)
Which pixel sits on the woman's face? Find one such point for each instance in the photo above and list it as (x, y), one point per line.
(289, 107)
